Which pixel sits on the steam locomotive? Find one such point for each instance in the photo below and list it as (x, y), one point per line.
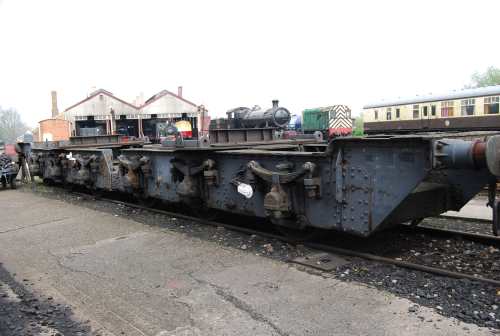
(323, 122)
(255, 117)
(244, 124)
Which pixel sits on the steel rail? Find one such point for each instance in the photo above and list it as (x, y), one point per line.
(316, 246)
(400, 263)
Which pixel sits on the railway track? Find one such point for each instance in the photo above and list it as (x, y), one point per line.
(475, 237)
(324, 247)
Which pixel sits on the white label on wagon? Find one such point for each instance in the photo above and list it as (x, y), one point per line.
(245, 189)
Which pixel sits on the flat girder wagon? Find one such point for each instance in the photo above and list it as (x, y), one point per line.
(356, 185)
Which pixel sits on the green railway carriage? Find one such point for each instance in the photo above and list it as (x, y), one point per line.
(465, 110)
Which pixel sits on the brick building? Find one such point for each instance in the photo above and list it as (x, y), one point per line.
(53, 130)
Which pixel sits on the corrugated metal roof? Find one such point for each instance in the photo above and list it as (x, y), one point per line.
(466, 93)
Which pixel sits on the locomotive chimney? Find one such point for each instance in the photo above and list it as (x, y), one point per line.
(179, 91)
(55, 111)
(275, 103)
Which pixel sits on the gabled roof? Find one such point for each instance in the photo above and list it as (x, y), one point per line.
(467, 93)
(163, 93)
(98, 92)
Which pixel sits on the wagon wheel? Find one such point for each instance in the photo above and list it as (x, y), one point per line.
(13, 182)
(415, 222)
(208, 214)
(201, 211)
(98, 194)
(296, 235)
(148, 202)
(49, 182)
(68, 186)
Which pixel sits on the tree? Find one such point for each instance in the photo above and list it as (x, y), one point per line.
(358, 125)
(11, 125)
(490, 77)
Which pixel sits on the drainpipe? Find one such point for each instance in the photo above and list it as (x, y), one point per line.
(113, 121)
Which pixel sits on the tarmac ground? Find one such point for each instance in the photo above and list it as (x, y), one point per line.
(70, 270)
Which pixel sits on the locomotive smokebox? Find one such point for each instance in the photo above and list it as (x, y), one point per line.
(256, 117)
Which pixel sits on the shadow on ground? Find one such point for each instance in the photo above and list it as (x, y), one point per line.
(24, 312)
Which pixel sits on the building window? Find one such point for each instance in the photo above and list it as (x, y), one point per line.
(398, 113)
(389, 113)
(376, 114)
(416, 112)
(425, 111)
(467, 108)
(433, 110)
(491, 105)
(447, 108)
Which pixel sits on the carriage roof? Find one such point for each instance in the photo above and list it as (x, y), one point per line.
(462, 94)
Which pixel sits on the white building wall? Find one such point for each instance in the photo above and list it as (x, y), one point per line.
(99, 107)
(170, 106)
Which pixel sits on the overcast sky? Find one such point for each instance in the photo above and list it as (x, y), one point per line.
(237, 53)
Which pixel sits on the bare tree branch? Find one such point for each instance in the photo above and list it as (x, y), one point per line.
(11, 125)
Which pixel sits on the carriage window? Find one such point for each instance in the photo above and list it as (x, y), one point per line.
(491, 105)
(467, 108)
(447, 108)
(416, 112)
(376, 114)
(398, 113)
(389, 113)
(433, 110)
(425, 111)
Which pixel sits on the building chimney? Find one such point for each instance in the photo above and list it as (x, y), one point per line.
(55, 110)
(179, 91)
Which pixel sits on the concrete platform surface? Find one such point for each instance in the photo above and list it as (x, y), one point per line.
(124, 278)
(475, 208)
